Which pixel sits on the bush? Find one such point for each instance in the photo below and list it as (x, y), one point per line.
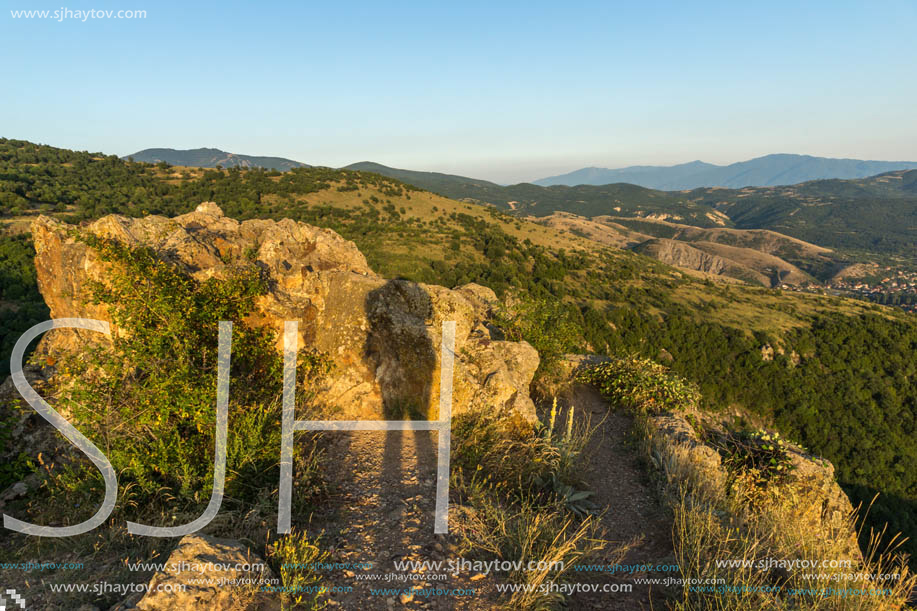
(520, 491)
(544, 323)
(524, 461)
(760, 454)
(642, 384)
(148, 397)
(294, 556)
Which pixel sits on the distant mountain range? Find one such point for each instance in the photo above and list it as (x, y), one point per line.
(770, 170)
(211, 158)
(767, 171)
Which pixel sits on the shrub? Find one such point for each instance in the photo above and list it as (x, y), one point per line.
(760, 454)
(642, 384)
(148, 397)
(294, 556)
(524, 461)
(528, 532)
(544, 323)
(520, 490)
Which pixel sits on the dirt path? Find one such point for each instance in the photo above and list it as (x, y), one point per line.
(381, 512)
(633, 513)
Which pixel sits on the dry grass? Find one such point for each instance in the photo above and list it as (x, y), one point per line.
(513, 484)
(751, 528)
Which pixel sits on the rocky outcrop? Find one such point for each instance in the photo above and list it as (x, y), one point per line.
(384, 336)
(209, 573)
(810, 498)
(684, 446)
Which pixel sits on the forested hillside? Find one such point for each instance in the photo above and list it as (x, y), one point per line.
(871, 215)
(836, 375)
(877, 214)
(211, 158)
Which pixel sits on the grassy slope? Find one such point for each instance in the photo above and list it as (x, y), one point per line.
(409, 254)
(862, 217)
(622, 301)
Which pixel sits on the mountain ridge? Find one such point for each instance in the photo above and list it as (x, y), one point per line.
(767, 171)
(872, 214)
(212, 157)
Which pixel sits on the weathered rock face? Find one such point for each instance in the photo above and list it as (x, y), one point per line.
(384, 336)
(812, 498)
(209, 573)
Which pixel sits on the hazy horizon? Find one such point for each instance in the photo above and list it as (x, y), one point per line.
(545, 175)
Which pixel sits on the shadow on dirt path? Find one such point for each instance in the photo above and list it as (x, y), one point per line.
(381, 512)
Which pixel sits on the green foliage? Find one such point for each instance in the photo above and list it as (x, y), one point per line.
(16, 465)
(642, 384)
(294, 557)
(21, 305)
(872, 214)
(852, 398)
(546, 324)
(758, 453)
(149, 396)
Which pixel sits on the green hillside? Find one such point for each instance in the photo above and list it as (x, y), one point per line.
(842, 380)
(877, 214)
(871, 215)
(529, 199)
(211, 158)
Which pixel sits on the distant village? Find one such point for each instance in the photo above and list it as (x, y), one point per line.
(889, 286)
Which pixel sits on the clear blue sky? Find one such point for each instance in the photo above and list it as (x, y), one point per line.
(509, 92)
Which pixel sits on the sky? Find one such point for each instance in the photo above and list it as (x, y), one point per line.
(506, 91)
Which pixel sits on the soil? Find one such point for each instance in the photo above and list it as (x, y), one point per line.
(381, 511)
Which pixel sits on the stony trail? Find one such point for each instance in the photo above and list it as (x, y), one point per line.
(633, 515)
(381, 512)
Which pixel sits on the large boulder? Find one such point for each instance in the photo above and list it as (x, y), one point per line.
(384, 336)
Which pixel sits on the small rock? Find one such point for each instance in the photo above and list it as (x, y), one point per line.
(190, 589)
(15, 491)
